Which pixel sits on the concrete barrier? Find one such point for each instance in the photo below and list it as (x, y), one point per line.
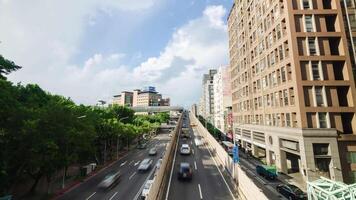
(245, 186)
(162, 175)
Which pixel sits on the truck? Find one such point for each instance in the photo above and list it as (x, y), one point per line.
(269, 172)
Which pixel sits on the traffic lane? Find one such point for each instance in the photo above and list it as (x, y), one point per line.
(132, 180)
(89, 187)
(183, 189)
(212, 183)
(133, 184)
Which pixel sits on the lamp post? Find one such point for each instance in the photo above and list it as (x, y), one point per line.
(64, 169)
(117, 142)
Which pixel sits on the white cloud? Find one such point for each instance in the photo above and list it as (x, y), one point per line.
(45, 50)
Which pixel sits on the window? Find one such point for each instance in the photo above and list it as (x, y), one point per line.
(351, 157)
(315, 70)
(322, 120)
(319, 96)
(321, 149)
(306, 4)
(288, 119)
(283, 72)
(312, 46)
(309, 23)
(285, 96)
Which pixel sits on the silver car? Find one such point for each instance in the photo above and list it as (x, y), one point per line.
(152, 151)
(110, 180)
(145, 164)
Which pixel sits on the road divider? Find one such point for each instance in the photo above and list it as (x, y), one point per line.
(158, 189)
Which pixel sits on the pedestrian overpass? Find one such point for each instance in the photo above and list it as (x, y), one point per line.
(326, 189)
(155, 109)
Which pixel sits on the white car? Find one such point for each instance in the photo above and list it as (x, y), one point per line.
(159, 163)
(145, 164)
(146, 189)
(198, 142)
(185, 149)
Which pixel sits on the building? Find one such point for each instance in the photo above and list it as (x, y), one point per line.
(123, 99)
(222, 98)
(206, 105)
(349, 14)
(293, 90)
(148, 96)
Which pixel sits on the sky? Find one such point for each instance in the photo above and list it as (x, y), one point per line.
(93, 49)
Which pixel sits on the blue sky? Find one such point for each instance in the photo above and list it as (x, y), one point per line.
(93, 49)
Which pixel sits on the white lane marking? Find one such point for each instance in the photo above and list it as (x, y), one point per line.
(113, 196)
(138, 162)
(132, 175)
(216, 165)
(201, 195)
(91, 196)
(131, 162)
(191, 142)
(174, 162)
(124, 163)
(195, 165)
(193, 151)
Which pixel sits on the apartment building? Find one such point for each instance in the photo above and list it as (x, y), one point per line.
(206, 105)
(222, 99)
(293, 89)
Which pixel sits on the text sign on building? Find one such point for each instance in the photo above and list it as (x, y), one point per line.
(235, 154)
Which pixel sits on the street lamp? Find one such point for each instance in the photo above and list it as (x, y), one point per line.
(64, 169)
(117, 142)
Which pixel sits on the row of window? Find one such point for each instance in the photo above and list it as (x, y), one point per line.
(273, 119)
(315, 46)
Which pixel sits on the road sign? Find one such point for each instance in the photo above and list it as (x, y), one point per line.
(235, 154)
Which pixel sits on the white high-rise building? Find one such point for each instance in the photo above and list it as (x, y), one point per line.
(206, 104)
(222, 98)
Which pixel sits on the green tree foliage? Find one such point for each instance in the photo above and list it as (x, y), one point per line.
(41, 133)
(6, 67)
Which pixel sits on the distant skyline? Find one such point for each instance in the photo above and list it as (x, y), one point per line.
(93, 49)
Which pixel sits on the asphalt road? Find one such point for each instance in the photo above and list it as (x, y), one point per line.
(207, 183)
(131, 181)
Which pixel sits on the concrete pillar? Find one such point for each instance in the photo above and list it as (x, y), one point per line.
(281, 161)
(254, 150)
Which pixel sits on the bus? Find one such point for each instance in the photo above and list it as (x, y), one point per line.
(228, 146)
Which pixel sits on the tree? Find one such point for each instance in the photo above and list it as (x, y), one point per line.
(6, 67)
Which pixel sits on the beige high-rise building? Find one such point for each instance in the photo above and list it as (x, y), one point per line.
(293, 88)
(146, 97)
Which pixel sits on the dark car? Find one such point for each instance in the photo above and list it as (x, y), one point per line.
(185, 171)
(291, 192)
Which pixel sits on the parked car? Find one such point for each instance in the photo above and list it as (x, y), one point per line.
(146, 189)
(185, 171)
(269, 172)
(142, 146)
(145, 164)
(152, 151)
(110, 180)
(185, 149)
(291, 192)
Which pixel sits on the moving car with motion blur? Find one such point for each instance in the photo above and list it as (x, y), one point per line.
(145, 164)
(110, 180)
(185, 171)
(291, 192)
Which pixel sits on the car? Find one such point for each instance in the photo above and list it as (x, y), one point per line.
(185, 171)
(142, 146)
(145, 164)
(198, 142)
(152, 151)
(269, 172)
(110, 180)
(159, 163)
(146, 189)
(291, 192)
(185, 149)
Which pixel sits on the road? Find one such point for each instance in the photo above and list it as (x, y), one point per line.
(207, 183)
(131, 182)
